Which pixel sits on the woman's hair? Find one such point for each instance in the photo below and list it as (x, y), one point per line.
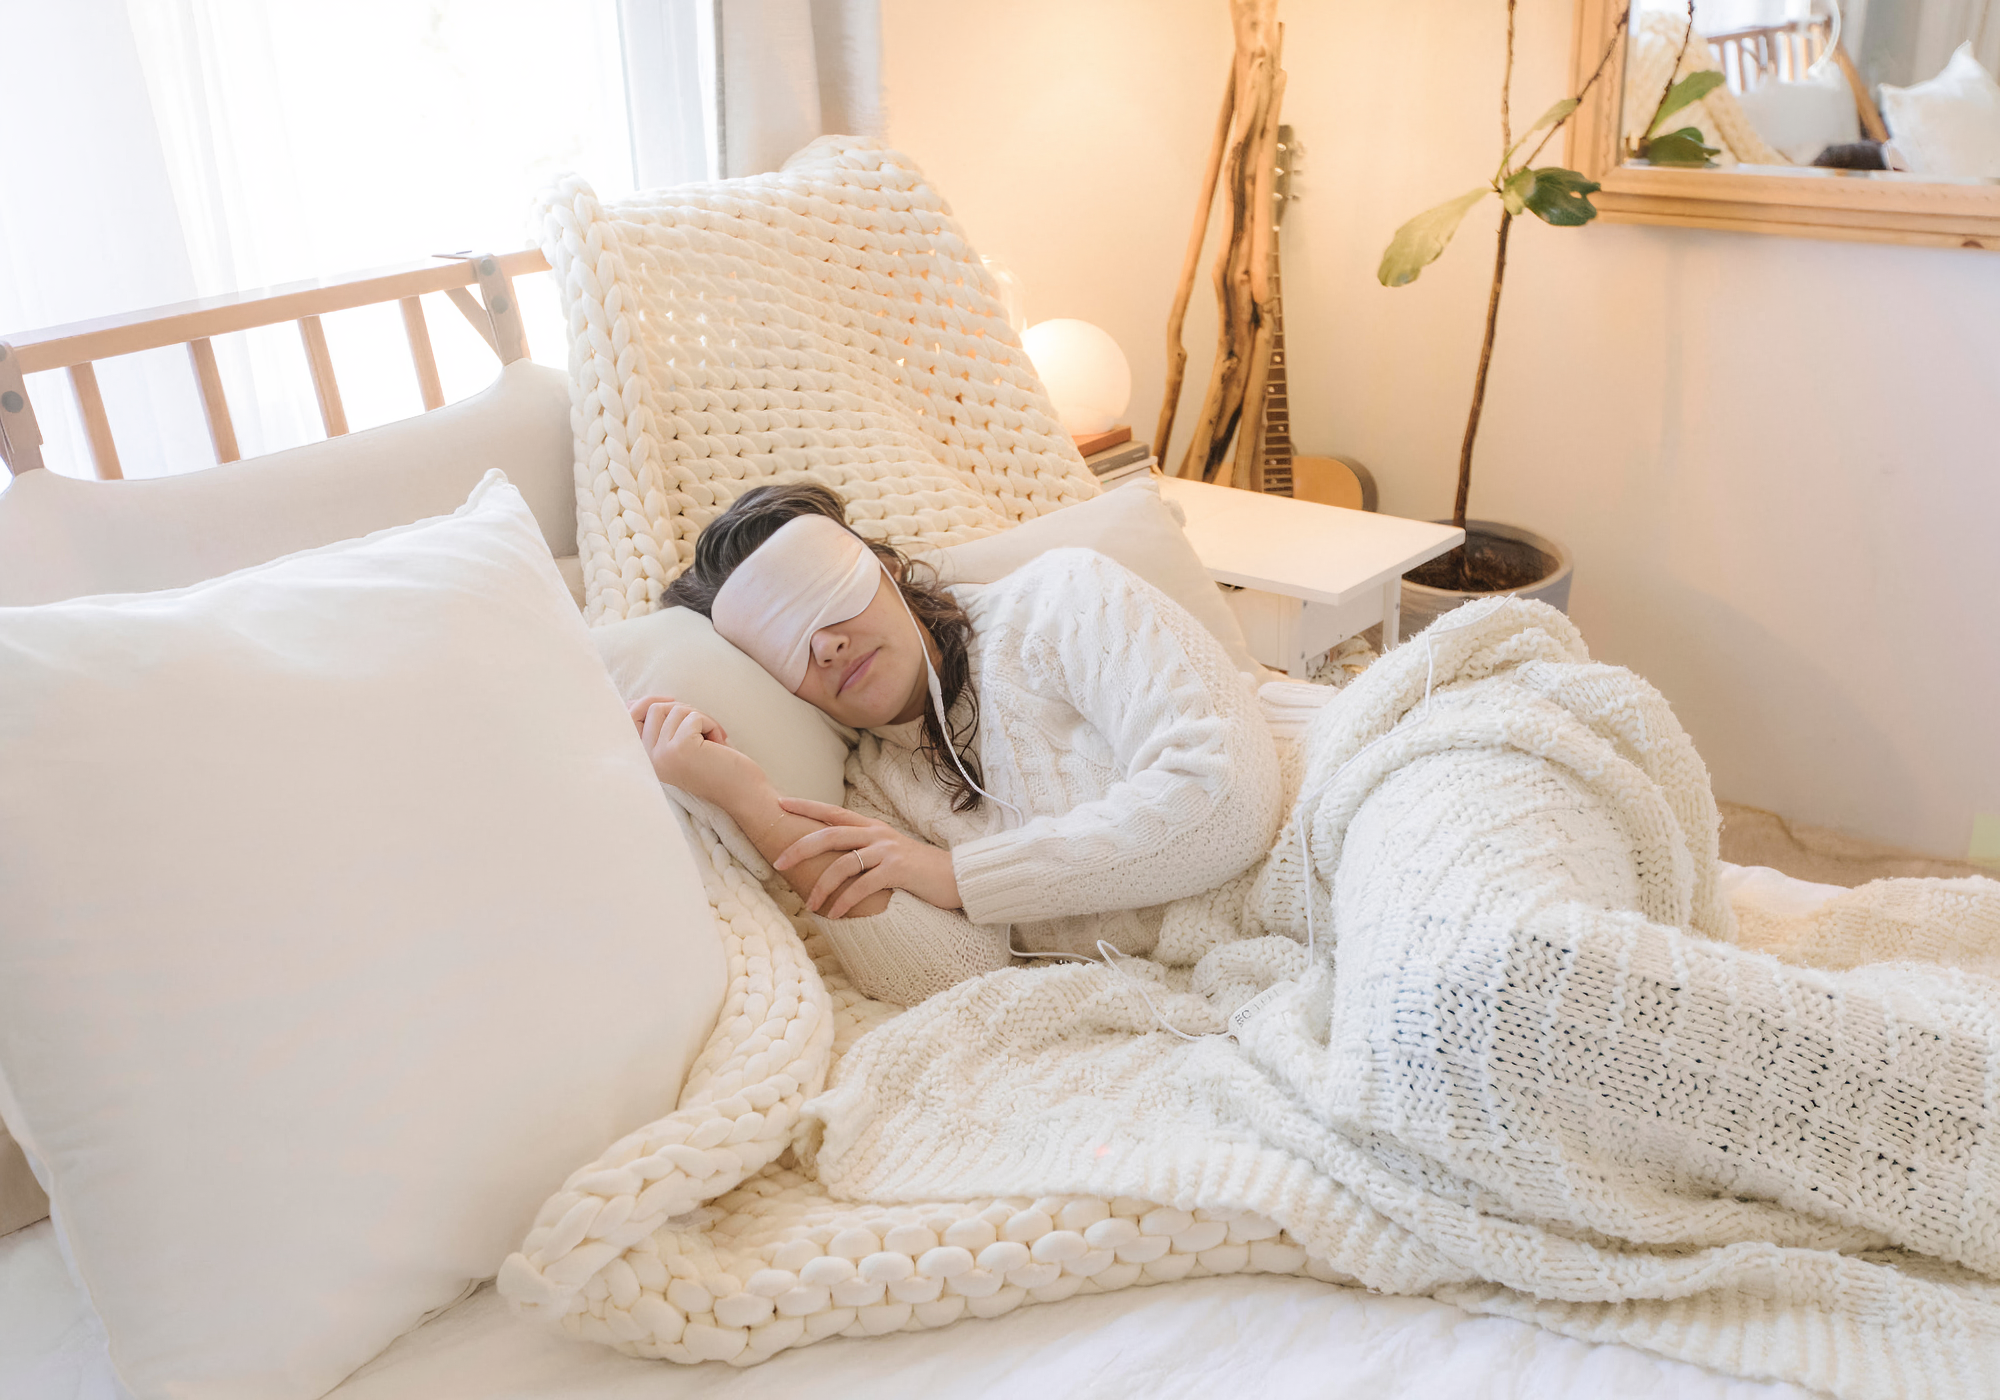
(756, 515)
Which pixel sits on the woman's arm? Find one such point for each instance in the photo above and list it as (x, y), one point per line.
(1199, 796)
(691, 751)
(895, 946)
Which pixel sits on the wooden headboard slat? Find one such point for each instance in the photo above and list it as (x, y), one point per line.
(57, 347)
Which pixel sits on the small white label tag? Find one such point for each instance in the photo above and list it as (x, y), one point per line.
(1256, 1006)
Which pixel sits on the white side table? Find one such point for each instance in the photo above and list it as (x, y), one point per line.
(1311, 575)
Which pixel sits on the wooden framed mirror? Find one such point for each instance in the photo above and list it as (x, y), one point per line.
(1794, 58)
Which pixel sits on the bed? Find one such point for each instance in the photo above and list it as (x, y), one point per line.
(1215, 1336)
(1223, 1335)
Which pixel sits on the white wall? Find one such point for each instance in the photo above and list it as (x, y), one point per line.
(1774, 459)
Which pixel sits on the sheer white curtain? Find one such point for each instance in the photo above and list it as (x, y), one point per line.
(205, 146)
(791, 70)
(170, 149)
(1942, 25)
(760, 77)
(88, 225)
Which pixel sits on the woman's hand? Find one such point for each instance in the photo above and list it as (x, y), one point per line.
(878, 857)
(691, 751)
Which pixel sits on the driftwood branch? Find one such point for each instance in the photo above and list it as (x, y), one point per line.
(1249, 468)
(1241, 271)
(1176, 351)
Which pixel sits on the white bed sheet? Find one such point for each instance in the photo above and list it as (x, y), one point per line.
(1205, 1339)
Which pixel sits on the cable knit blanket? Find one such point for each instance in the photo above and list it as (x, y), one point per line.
(1534, 1068)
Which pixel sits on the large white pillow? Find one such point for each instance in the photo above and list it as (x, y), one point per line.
(343, 916)
(1949, 125)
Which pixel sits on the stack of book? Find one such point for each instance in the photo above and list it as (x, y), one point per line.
(1114, 458)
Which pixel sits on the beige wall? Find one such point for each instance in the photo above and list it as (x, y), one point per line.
(1774, 459)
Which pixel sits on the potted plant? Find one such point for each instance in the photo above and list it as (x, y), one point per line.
(1497, 558)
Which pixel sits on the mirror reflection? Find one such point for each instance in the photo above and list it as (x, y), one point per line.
(1877, 89)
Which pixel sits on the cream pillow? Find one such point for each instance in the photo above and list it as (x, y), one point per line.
(62, 537)
(1949, 125)
(343, 917)
(1802, 119)
(675, 652)
(1131, 524)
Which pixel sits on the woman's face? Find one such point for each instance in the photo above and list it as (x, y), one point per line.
(867, 671)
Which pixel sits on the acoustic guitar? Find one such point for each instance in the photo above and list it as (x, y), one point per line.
(1332, 481)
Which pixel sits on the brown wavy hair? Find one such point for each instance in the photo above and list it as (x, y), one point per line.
(756, 515)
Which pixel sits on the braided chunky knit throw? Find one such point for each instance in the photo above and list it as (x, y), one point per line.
(1533, 1068)
(828, 321)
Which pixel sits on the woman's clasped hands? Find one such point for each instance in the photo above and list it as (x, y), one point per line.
(872, 856)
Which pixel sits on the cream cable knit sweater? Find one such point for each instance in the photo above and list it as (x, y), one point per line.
(1135, 751)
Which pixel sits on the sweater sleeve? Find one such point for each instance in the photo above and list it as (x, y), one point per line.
(913, 950)
(1198, 799)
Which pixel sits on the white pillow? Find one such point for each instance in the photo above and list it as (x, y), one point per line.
(1802, 119)
(61, 537)
(1130, 524)
(1949, 125)
(676, 652)
(343, 917)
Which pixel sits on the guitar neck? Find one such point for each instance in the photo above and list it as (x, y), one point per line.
(1277, 418)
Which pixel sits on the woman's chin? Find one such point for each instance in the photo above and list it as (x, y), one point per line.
(871, 710)
(876, 717)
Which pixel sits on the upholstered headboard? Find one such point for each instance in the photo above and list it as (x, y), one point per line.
(63, 537)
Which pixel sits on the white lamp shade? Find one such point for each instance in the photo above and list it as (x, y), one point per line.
(1084, 371)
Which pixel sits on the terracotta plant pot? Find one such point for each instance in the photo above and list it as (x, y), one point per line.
(1423, 605)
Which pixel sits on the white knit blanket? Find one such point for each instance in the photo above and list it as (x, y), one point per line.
(829, 322)
(1533, 1068)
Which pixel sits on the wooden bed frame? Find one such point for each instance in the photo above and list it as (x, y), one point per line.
(495, 313)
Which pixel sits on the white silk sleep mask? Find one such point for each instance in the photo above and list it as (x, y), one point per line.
(812, 573)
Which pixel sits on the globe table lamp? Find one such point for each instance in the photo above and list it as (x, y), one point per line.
(1084, 371)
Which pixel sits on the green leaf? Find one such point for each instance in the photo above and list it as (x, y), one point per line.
(1683, 147)
(1560, 197)
(1548, 119)
(1556, 114)
(1692, 88)
(1418, 242)
(1519, 189)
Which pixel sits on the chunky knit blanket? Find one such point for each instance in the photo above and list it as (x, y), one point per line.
(1532, 1066)
(828, 321)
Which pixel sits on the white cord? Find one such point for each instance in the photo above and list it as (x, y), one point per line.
(936, 688)
(1110, 954)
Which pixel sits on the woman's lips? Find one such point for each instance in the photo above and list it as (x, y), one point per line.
(856, 671)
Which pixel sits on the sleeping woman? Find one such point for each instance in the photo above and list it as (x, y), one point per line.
(1043, 761)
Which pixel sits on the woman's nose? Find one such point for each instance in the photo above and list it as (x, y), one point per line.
(827, 645)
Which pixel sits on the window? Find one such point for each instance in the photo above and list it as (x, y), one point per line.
(201, 146)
